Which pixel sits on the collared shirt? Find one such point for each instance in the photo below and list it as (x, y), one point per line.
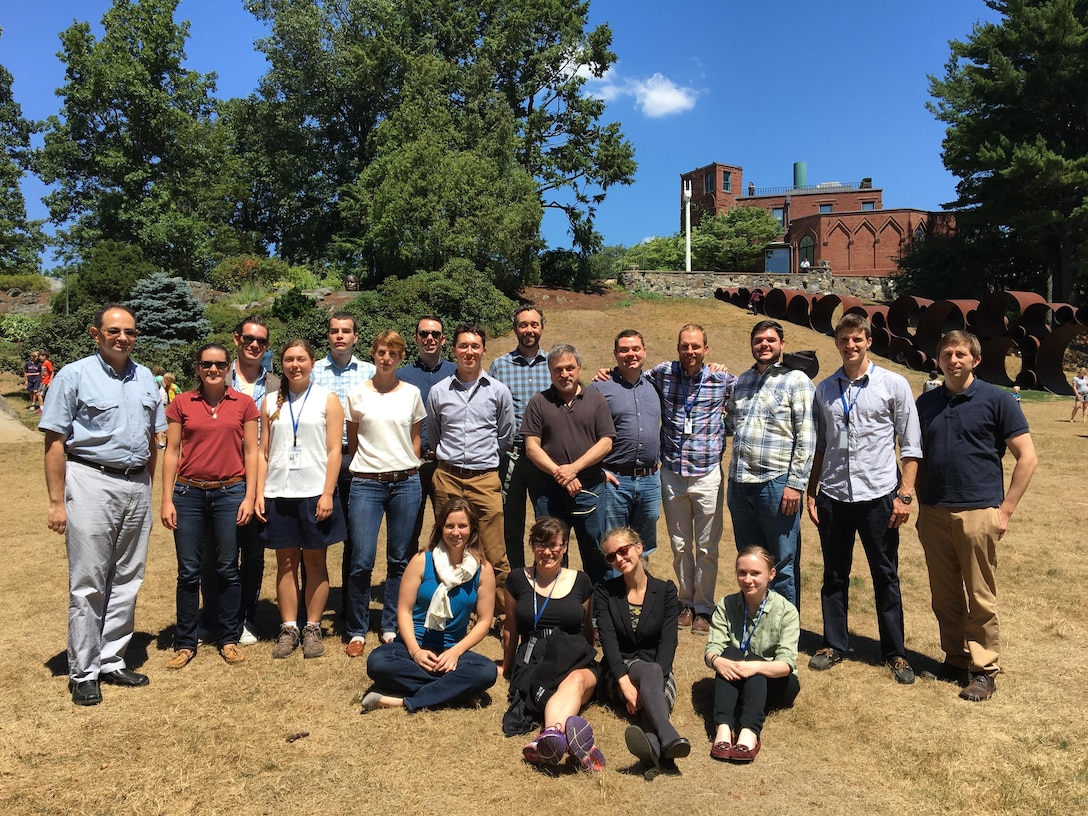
(259, 388)
(341, 381)
(701, 399)
(524, 378)
(471, 423)
(425, 379)
(568, 430)
(774, 431)
(212, 443)
(636, 413)
(106, 418)
(963, 436)
(882, 414)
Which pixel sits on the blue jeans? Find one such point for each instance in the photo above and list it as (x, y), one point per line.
(585, 515)
(392, 670)
(756, 510)
(636, 503)
(208, 519)
(368, 502)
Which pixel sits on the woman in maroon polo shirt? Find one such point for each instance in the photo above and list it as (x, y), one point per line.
(209, 479)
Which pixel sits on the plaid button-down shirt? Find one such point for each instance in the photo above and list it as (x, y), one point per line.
(524, 378)
(701, 400)
(340, 381)
(774, 429)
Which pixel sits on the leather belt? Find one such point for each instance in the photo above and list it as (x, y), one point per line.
(465, 473)
(633, 470)
(136, 470)
(214, 484)
(388, 477)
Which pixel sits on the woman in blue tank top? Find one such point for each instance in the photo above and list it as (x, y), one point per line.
(430, 663)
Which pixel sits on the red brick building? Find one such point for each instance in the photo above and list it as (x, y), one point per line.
(841, 223)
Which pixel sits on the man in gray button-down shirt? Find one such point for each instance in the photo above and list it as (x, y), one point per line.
(470, 421)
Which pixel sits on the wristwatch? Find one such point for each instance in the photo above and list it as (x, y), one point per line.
(905, 499)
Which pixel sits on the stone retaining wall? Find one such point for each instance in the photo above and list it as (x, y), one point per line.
(817, 280)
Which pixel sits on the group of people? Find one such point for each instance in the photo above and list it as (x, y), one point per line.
(37, 374)
(324, 453)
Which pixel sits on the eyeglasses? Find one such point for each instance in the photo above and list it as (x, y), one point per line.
(113, 331)
(249, 339)
(548, 546)
(218, 365)
(619, 552)
(432, 333)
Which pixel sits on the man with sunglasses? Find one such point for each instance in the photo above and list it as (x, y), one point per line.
(340, 371)
(774, 438)
(428, 369)
(100, 422)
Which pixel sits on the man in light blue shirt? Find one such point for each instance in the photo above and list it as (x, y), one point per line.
(100, 420)
(470, 417)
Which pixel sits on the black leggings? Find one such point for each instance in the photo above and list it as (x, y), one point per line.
(648, 678)
(746, 702)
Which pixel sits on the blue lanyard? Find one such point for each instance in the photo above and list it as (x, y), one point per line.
(291, 408)
(759, 615)
(689, 402)
(537, 615)
(846, 409)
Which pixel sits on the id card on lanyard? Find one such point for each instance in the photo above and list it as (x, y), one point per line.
(689, 401)
(294, 455)
(847, 407)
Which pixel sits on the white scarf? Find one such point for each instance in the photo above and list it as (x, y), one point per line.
(439, 613)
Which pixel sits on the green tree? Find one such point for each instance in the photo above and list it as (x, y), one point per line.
(21, 240)
(166, 311)
(339, 70)
(135, 153)
(734, 240)
(659, 252)
(1013, 97)
(107, 275)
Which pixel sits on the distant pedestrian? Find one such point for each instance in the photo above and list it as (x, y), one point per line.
(1080, 394)
(32, 380)
(932, 384)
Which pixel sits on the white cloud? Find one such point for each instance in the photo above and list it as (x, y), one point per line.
(656, 97)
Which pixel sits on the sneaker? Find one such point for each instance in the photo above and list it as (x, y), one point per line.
(581, 746)
(232, 653)
(180, 659)
(287, 642)
(981, 687)
(904, 674)
(701, 625)
(311, 640)
(687, 615)
(247, 638)
(825, 659)
(547, 749)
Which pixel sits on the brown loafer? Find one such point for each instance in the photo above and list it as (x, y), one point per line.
(721, 750)
(742, 754)
(355, 648)
(981, 687)
(687, 615)
(232, 653)
(701, 625)
(180, 659)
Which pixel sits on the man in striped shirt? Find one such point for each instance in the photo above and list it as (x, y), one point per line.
(774, 438)
(693, 400)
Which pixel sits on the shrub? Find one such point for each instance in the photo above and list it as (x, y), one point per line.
(18, 327)
(167, 312)
(24, 283)
(65, 337)
(232, 273)
(107, 275)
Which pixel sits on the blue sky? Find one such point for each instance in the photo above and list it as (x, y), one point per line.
(841, 86)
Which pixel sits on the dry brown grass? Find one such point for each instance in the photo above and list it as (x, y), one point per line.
(212, 738)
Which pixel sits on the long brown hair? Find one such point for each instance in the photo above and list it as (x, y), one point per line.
(454, 505)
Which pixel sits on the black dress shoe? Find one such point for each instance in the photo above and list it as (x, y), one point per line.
(86, 693)
(677, 749)
(124, 677)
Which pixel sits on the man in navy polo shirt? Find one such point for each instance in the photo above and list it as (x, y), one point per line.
(966, 426)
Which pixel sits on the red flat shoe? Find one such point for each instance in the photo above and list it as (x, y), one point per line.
(721, 751)
(742, 754)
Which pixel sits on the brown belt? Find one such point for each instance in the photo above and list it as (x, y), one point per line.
(210, 485)
(390, 476)
(465, 473)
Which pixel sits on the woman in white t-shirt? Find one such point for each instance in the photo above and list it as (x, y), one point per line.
(385, 420)
(1080, 394)
(297, 472)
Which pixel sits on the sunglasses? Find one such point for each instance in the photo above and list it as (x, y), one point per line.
(619, 552)
(218, 365)
(432, 333)
(249, 339)
(116, 332)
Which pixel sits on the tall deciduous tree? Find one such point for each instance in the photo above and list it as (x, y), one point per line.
(1013, 96)
(340, 69)
(733, 240)
(135, 152)
(21, 240)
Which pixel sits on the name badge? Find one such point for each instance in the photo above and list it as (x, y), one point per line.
(844, 438)
(294, 458)
(687, 425)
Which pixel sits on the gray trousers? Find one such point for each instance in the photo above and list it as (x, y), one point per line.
(109, 521)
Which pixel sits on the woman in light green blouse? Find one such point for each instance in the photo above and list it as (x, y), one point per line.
(752, 649)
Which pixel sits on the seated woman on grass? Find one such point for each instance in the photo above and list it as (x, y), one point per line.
(752, 648)
(637, 620)
(548, 652)
(429, 663)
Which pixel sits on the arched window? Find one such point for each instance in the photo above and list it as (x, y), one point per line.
(920, 234)
(806, 250)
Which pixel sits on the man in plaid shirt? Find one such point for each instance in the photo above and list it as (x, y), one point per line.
(693, 401)
(774, 437)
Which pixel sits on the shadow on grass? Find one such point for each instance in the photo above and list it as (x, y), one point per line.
(135, 656)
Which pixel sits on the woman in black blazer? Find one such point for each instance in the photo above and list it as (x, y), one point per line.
(637, 622)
